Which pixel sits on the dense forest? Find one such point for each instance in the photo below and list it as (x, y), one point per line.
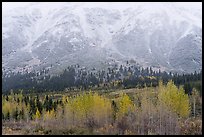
(80, 78)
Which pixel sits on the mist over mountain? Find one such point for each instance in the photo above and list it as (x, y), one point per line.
(165, 36)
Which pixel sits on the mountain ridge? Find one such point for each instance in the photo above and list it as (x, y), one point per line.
(153, 34)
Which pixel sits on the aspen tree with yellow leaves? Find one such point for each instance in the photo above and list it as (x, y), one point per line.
(125, 105)
(174, 99)
(37, 114)
(173, 104)
(88, 109)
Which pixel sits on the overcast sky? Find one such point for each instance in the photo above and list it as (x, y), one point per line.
(11, 5)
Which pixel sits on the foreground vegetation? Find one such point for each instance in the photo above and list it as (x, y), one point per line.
(161, 110)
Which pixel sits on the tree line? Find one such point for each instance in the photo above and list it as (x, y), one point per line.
(75, 77)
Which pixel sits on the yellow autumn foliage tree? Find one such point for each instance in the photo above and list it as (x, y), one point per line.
(88, 106)
(174, 99)
(64, 99)
(37, 114)
(9, 107)
(125, 105)
(6, 107)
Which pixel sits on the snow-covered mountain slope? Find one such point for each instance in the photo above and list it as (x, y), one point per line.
(161, 35)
